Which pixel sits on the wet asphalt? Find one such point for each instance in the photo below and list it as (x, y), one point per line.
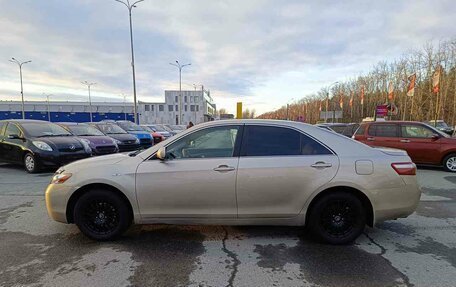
(35, 251)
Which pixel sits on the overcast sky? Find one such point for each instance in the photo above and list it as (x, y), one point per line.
(263, 53)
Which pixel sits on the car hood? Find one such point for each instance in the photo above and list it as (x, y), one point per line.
(140, 135)
(61, 142)
(123, 137)
(105, 160)
(98, 140)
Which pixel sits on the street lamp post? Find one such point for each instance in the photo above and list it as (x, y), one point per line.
(129, 7)
(13, 60)
(90, 99)
(48, 106)
(327, 100)
(179, 66)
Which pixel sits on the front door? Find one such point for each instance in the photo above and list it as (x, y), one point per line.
(12, 148)
(279, 168)
(197, 179)
(419, 143)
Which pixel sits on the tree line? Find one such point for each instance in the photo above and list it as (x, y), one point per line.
(389, 83)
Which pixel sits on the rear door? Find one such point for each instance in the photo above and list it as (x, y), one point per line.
(279, 168)
(419, 143)
(383, 135)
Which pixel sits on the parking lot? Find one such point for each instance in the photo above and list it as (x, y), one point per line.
(416, 251)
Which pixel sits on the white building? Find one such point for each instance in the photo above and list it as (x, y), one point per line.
(197, 107)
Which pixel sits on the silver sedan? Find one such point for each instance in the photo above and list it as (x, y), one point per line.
(239, 172)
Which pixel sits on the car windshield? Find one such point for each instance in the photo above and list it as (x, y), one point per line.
(177, 127)
(44, 129)
(338, 129)
(158, 128)
(165, 128)
(110, 129)
(130, 127)
(146, 128)
(84, 130)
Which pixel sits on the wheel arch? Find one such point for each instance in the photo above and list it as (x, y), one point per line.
(356, 192)
(447, 153)
(87, 188)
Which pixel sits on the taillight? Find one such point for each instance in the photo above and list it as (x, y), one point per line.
(404, 168)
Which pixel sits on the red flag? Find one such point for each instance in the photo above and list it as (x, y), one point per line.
(341, 101)
(411, 85)
(362, 95)
(391, 91)
(436, 80)
(320, 106)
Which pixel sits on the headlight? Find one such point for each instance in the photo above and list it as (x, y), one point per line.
(42, 145)
(86, 145)
(60, 178)
(137, 141)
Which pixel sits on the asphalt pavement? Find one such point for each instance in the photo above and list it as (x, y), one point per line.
(35, 251)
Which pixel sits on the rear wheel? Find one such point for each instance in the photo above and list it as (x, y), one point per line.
(449, 162)
(102, 215)
(337, 218)
(30, 163)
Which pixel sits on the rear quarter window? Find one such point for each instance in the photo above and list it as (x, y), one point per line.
(384, 130)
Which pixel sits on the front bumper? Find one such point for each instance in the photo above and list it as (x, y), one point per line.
(57, 196)
(60, 158)
(397, 202)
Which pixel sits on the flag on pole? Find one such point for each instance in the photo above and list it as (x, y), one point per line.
(341, 101)
(320, 107)
(391, 91)
(362, 95)
(411, 85)
(436, 80)
(351, 99)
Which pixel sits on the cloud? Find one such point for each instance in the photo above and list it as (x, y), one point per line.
(261, 52)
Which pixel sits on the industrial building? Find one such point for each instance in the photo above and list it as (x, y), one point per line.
(197, 107)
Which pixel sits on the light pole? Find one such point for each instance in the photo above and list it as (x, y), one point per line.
(179, 66)
(129, 7)
(327, 100)
(48, 106)
(13, 60)
(90, 99)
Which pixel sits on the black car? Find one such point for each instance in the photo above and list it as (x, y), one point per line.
(350, 130)
(336, 127)
(124, 140)
(39, 144)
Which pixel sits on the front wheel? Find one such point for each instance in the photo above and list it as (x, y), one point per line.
(102, 215)
(337, 218)
(30, 163)
(449, 162)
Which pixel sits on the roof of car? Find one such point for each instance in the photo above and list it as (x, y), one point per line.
(71, 123)
(394, 122)
(20, 121)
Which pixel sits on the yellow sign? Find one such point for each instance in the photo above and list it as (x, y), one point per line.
(239, 110)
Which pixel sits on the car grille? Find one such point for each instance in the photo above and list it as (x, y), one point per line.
(145, 141)
(68, 149)
(129, 141)
(105, 149)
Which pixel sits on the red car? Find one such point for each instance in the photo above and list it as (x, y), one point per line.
(423, 143)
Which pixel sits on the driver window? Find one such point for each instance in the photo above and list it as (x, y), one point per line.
(12, 129)
(208, 143)
(416, 131)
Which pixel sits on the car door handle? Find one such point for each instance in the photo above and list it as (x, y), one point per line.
(370, 139)
(321, 164)
(223, 168)
(405, 141)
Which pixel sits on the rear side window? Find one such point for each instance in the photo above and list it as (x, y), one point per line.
(278, 141)
(383, 130)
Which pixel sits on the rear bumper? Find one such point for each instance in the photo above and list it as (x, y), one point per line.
(397, 202)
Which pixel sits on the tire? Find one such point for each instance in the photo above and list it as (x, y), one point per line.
(30, 163)
(337, 218)
(449, 162)
(101, 215)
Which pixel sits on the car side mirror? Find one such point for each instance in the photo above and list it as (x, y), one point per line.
(161, 153)
(435, 137)
(14, 137)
